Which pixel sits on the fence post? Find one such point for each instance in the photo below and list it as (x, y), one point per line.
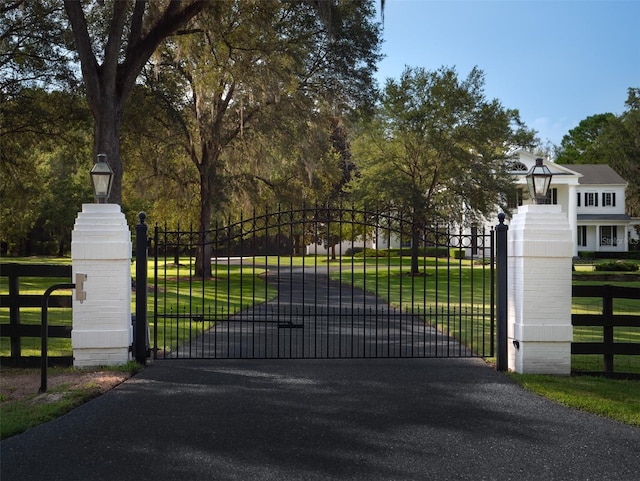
(44, 333)
(141, 291)
(501, 295)
(14, 311)
(607, 330)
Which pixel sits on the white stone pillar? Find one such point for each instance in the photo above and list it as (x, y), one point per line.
(101, 248)
(540, 248)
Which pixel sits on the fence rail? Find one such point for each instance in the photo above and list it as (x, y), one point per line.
(14, 301)
(608, 321)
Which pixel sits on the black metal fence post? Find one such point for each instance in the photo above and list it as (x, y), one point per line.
(44, 333)
(501, 267)
(140, 341)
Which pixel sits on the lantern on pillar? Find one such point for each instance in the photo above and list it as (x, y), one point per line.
(102, 179)
(538, 181)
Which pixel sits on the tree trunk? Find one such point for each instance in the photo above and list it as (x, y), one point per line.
(415, 245)
(203, 250)
(108, 120)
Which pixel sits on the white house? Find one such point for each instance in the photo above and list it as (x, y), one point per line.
(593, 197)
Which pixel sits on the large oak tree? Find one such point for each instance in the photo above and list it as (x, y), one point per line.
(437, 150)
(256, 85)
(114, 40)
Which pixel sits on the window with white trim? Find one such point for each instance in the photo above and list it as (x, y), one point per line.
(608, 199)
(590, 199)
(608, 235)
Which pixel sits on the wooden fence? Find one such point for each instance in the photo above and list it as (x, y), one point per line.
(14, 301)
(608, 321)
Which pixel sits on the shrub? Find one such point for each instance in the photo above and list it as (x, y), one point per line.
(457, 253)
(619, 266)
(436, 251)
(368, 252)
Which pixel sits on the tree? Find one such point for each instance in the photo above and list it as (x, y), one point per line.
(44, 170)
(131, 32)
(581, 141)
(612, 140)
(34, 51)
(437, 150)
(253, 78)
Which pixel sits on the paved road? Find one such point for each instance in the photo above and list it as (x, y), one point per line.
(316, 317)
(403, 419)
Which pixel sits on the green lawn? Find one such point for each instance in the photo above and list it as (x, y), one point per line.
(180, 294)
(56, 316)
(231, 289)
(588, 305)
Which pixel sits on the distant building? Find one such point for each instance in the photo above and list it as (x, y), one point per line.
(592, 195)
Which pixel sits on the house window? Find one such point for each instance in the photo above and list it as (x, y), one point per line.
(582, 235)
(608, 235)
(608, 199)
(590, 199)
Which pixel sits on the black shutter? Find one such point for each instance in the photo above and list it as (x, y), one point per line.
(578, 199)
(613, 198)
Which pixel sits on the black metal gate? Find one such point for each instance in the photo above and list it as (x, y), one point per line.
(322, 283)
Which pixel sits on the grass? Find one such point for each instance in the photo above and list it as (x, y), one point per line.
(57, 316)
(230, 290)
(614, 399)
(453, 294)
(587, 305)
(25, 412)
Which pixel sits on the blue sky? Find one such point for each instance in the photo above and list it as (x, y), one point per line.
(557, 62)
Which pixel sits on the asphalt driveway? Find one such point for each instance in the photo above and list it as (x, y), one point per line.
(395, 419)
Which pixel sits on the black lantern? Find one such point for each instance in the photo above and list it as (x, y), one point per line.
(538, 180)
(102, 179)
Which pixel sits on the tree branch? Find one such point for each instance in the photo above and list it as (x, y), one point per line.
(88, 61)
(141, 49)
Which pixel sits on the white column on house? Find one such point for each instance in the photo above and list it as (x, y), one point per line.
(625, 239)
(101, 249)
(540, 249)
(572, 216)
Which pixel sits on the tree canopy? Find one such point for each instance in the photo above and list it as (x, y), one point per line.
(437, 148)
(255, 85)
(612, 140)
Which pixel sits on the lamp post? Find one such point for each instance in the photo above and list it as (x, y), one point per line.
(538, 180)
(102, 179)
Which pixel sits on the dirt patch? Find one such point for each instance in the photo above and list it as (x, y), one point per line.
(23, 384)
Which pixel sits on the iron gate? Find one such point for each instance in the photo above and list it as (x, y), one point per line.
(322, 283)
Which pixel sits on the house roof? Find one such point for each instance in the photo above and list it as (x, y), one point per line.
(596, 174)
